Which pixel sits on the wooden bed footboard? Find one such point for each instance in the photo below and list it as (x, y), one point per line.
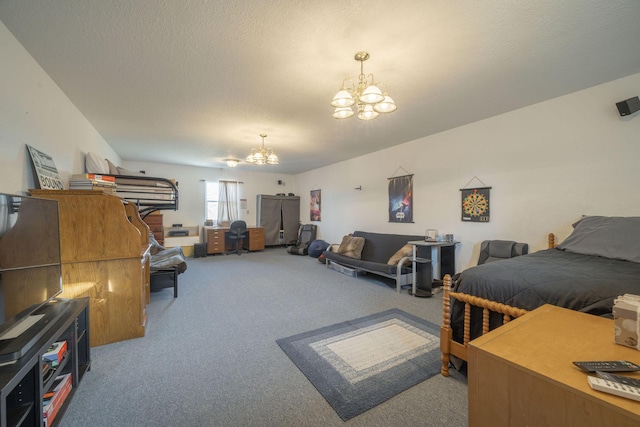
(449, 347)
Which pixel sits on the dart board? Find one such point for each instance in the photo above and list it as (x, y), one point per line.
(475, 204)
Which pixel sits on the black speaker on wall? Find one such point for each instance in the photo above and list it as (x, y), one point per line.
(628, 106)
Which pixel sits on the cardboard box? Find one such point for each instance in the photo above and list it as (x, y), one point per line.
(61, 390)
(56, 353)
(625, 315)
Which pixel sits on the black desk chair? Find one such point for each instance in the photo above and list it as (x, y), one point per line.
(237, 232)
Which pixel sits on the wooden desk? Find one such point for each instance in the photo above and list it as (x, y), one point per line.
(217, 243)
(522, 373)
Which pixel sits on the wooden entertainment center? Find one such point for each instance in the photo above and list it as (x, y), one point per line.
(22, 384)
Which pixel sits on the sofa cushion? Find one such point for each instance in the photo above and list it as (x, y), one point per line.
(351, 247)
(374, 267)
(405, 251)
(379, 247)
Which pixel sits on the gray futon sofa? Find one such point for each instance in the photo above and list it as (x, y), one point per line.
(376, 253)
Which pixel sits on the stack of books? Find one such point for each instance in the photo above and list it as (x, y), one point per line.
(92, 181)
(53, 400)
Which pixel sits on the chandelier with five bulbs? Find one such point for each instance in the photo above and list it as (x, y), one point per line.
(365, 96)
(262, 156)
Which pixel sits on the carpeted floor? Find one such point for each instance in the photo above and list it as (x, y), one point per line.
(361, 363)
(210, 357)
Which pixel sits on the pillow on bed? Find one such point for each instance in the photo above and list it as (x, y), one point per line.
(113, 169)
(609, 237)
(94, 164)
(406, 250)
(351, 247)
(123, 171)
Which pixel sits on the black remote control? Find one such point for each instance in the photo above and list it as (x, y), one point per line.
(608, 366)
(633, 382)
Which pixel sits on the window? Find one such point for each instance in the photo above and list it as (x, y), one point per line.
(221, 201)
(211, 200)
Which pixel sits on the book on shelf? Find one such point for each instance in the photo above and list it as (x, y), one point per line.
(93, 176)
(56, 353)
(53, 399)
(90, 181)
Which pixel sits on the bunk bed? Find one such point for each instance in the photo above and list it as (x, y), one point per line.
(148, 194)
(598, 262)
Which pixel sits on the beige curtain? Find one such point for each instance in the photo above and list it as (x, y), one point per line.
(227, 202)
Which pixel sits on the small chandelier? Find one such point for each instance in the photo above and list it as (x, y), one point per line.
(366, 96)
(232, 163)
(262, 156)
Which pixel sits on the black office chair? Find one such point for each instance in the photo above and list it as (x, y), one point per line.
(237, 232)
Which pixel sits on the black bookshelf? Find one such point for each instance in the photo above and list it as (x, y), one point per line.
(22, 382)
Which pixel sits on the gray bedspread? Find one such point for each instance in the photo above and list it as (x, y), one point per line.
(579, 282)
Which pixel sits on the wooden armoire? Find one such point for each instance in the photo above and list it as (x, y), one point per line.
(104, 249)
(280, 218)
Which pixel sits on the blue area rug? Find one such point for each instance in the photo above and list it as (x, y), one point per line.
(359, 364)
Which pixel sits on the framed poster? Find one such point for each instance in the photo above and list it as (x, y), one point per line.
(401, 199)
(475, 204)
(45, 168)
(315, 205)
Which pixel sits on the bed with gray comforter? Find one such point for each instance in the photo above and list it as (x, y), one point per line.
(598, 262)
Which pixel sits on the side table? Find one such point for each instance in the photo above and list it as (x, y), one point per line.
(435, 262)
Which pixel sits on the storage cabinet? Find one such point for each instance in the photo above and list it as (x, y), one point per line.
(22, 386)
(280, 218)
(215, 241)
(104, 249)
(154, 221)
(256, 239)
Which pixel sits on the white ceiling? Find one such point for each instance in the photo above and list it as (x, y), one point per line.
(193, 82)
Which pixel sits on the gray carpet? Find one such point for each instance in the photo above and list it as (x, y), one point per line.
(210, 357)
(361, 363)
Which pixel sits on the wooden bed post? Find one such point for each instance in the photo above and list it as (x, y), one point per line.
(445, 330)
(552, 241)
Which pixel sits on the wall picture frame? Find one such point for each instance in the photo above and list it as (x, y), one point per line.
(45, 170)
(315, 205)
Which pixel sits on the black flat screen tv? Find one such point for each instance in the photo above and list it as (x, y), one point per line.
(30, 271)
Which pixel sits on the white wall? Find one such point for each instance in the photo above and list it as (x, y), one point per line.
(547, 164)
(34, 111)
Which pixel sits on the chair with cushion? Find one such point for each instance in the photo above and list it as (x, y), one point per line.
(237, 233)
(306, 235)
(496, 250)
(165, 265)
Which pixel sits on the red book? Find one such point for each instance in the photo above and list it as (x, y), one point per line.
(61, 391)
(94, 177)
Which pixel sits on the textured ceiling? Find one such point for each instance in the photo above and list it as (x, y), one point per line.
(193, 82)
